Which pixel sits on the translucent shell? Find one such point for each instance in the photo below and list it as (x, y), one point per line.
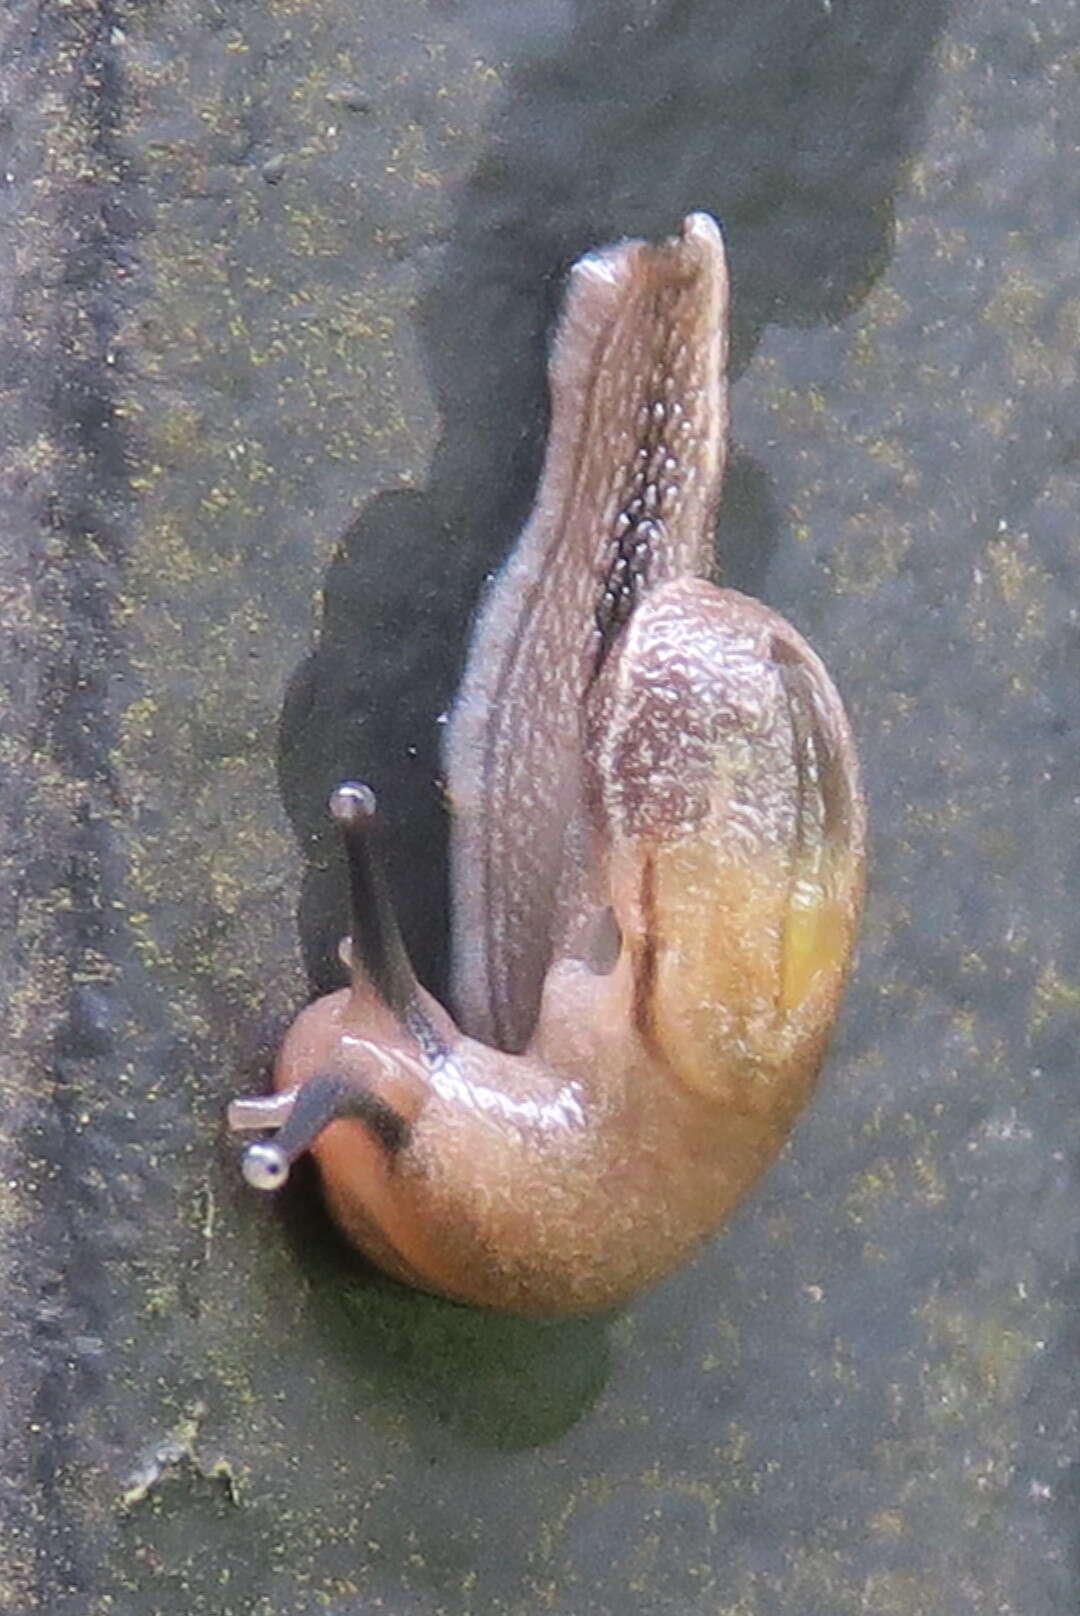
(724, 775)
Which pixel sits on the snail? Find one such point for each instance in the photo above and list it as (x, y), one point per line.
(657, 847)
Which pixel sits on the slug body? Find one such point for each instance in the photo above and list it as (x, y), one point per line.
(658, 849)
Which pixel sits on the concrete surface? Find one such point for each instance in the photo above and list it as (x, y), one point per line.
(272, 269)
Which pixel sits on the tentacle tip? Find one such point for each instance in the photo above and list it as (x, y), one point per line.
(351, 804)
(265, 1166)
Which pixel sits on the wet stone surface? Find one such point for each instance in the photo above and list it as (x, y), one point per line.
(277, 282)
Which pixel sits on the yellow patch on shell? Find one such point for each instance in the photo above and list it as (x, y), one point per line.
(741, 962)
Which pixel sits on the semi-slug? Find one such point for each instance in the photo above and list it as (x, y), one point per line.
(658, 846)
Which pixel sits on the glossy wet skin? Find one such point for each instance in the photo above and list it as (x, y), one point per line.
(658, 861)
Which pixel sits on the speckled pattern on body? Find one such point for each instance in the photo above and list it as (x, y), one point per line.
(268, 267)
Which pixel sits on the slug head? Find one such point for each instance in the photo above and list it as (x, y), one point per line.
(351, 1072)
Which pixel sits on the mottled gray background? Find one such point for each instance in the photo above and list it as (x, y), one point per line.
(270, 268)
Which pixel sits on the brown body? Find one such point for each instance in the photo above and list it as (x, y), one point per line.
(658, 860)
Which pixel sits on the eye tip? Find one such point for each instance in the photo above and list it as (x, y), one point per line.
(351, 803)
(265, 1166)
